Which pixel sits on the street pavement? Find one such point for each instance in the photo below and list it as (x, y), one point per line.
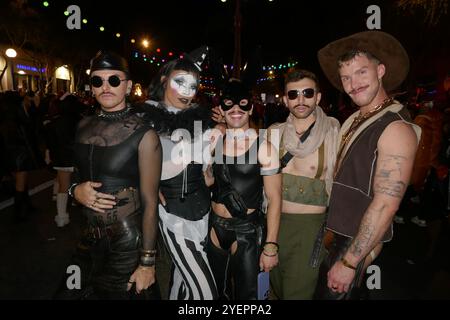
(34, 254)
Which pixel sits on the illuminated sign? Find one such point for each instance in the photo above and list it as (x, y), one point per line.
(29, 68)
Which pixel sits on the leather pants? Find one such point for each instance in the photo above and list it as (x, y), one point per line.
(337, 246)
(242, 267)
(107, 256)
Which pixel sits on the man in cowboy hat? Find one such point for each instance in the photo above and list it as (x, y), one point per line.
(374, 160)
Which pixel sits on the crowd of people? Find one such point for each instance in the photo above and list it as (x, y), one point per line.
(308, 201)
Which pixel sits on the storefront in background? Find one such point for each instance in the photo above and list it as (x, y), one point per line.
(26, 77)
(63, 79)
(21, 73)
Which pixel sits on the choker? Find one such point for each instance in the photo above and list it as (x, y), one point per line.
(114, 115)
(239, 134)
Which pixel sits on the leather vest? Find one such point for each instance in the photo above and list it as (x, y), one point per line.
(352, 190)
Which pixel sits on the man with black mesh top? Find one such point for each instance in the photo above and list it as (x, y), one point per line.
(118, 159)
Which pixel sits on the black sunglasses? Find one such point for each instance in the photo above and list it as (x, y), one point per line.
(307, 93)
(243, 104)
(114, 81)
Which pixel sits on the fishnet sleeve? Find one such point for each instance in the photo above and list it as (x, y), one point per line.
(150, 174)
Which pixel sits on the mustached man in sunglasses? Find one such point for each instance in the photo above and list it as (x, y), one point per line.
(238, 246)
(307, 150)
(118, 160)
(377, 146)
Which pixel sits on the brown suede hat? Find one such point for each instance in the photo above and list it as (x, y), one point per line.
(380, 44)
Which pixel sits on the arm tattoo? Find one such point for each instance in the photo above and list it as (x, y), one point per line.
(363, 240)
(391, 188)
(383, 173)
(391, 164)
(388, 177)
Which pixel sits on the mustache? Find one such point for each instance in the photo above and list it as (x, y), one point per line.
(302, 105)
(354, 91)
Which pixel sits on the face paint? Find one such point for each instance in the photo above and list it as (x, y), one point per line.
(185, 84)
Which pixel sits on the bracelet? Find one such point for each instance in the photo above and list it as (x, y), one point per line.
(147, 261)
(150, 253)
(71, 189)
(273, 249)
(145, 267)
(347, 264)
(270, 255)
(274, 243)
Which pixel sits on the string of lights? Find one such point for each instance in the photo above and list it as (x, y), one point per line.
(159, 56)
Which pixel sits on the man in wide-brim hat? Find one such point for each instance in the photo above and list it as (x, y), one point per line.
(374, 160)
(380, 45)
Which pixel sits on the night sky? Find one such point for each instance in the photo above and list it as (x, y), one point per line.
(272, 32)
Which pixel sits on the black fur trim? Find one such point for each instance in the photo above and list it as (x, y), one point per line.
(165, 122)
(157, 118)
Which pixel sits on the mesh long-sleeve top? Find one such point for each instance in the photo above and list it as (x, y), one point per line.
(119, 150)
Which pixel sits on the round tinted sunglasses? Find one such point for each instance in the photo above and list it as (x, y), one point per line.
(307, 93)
(243, 104)
(114, 81)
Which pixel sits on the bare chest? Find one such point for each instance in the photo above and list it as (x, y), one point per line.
(308, 166)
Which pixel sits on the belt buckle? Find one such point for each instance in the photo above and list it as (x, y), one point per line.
(110, 231)
(95, 232)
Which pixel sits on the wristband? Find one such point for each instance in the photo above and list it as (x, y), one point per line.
(270, 255)
(150, 253)
(347, 264)
(274, 243)
(147, 261)
(71, 189)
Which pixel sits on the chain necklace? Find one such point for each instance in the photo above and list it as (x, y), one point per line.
(114, 115)
(357, 122)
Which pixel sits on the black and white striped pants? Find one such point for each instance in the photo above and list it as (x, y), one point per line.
(191, 278)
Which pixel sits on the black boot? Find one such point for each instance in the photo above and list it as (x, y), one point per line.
(20, 207)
